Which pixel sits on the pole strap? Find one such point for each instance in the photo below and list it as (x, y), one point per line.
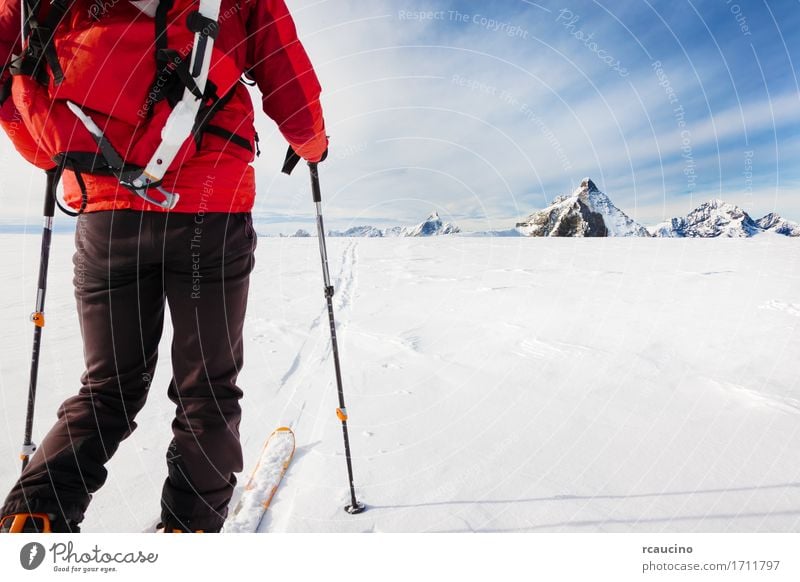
(291, 161)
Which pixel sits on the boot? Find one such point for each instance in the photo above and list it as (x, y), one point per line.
(36, 523)
(172, 528)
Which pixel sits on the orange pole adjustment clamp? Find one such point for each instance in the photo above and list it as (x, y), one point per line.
(341, 414)
(27, 452)
(38, 318)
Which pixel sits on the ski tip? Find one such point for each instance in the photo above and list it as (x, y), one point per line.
(284, 429)
(356, 508)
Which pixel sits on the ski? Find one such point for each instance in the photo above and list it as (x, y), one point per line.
(263, 482)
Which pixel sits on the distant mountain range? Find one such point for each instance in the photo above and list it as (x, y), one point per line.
(716, 218)
(588, 212)
(431, 226)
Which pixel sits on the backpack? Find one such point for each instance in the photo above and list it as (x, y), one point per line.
(120, 87)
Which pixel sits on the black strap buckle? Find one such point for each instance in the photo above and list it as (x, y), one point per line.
(205, 26)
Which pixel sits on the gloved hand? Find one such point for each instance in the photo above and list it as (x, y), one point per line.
(314, 149)
(322, 158)
(293, 158)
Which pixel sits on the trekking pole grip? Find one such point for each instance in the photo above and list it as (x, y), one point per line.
(53, 178)
(315, 189)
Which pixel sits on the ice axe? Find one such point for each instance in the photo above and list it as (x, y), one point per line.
(292, 159)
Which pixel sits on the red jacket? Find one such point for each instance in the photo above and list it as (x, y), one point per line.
(260, 37)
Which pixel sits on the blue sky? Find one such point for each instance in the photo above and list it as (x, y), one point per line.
(435, 106)
(485, 111)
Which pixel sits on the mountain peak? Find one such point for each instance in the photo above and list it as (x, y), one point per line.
(432, 226)
(587, 184)
(716, 203)
(771, 217)
(774, 222)
(587, 212)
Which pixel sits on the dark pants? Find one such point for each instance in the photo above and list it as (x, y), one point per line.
(127, 265)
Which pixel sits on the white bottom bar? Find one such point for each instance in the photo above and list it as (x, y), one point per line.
(352, 557)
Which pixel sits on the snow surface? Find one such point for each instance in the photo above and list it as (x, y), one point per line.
(493, 384)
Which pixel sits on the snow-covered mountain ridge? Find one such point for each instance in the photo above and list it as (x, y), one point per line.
(431, 226)
(775, 223)
(717, 218)
(587, 212)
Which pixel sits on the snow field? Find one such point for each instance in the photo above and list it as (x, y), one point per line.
(493, 384)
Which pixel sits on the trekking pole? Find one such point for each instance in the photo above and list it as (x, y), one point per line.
(37, 317)
(341, 412)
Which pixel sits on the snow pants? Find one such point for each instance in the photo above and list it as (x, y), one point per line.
(128, 265)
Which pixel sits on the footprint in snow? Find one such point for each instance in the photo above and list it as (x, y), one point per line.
(788, 308)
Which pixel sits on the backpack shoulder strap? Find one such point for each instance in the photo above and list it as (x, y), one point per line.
(182, 119)
(40, 47)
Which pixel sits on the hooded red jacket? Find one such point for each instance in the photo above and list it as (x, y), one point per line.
(260, 37)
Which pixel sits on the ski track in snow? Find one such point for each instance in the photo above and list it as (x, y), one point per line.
(343, 290)
(757, 398)
(538, 350)
(344, 284)
(342, 298)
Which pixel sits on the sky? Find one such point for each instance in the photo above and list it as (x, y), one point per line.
(486, 111)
